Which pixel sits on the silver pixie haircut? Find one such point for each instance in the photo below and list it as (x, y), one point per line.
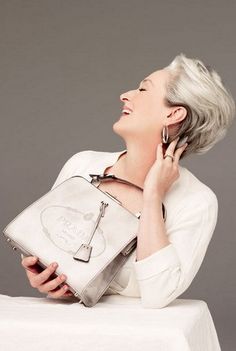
(210, 106)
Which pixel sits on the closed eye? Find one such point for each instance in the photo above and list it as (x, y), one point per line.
(141, 89)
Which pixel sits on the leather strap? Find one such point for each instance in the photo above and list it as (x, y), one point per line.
(109, 176)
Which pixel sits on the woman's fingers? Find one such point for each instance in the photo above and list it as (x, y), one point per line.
(53, 289)
(59, 293)
(45, 284)
(171, 148)
(178, 153)
(37, 275)
(40, 278)
(52, 284)
(30, 265)
(159, 152)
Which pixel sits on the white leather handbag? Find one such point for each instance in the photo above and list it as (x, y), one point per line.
(84, 229)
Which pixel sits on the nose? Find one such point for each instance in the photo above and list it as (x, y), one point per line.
(126, 95)
(123, 97)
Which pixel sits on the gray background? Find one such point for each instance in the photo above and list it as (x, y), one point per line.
(63, 66)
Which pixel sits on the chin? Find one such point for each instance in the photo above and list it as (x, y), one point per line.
(121, 129)
(116, 128)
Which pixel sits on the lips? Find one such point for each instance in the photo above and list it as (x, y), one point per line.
(127, 108)
(126, 111)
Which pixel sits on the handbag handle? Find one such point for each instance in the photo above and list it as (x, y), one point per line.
(112, 176)
(109, 176)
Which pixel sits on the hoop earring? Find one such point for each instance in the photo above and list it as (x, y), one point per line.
(165, 135)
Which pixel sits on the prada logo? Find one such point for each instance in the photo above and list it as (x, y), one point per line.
(68, 228)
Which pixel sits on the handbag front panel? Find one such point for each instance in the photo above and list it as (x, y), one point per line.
(55, 226)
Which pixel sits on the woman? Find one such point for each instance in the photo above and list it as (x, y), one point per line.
(184, 100)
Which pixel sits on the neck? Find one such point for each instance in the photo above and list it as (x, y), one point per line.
(135, 163)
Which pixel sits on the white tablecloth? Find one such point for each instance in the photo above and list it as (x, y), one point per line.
(115, 323)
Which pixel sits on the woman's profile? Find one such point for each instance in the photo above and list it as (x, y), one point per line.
(177, 111)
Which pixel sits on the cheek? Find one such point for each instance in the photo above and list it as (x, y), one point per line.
(148, 120)
(147, 124)
(148, 111)
(149, 106)
(148, 114)
(144, 109)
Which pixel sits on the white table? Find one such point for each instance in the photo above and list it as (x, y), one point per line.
(115, 323)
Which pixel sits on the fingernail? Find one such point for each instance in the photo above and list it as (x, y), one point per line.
(182, 142)
(54, 265)
(185, 139)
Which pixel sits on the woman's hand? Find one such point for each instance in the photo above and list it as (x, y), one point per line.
(42, 280)
(163, 172)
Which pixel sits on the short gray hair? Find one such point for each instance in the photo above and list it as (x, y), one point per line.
(210, 106)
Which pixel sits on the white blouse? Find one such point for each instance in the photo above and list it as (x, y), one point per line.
(192, 209)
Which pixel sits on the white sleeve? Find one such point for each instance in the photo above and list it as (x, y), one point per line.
(167, 273)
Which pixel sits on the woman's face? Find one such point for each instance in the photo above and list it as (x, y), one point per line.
(149, 114)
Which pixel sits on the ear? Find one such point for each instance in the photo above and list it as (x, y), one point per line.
(177, 114)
